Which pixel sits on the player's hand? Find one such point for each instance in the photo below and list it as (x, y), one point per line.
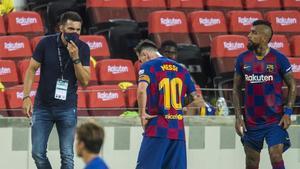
(145, 117)
(285, 121)
(240, 127)
(27, 107)
(73, 50)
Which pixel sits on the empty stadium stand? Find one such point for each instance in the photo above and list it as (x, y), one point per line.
(185, 6)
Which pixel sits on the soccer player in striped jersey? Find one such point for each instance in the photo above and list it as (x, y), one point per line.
(262, 70)
(163, 84)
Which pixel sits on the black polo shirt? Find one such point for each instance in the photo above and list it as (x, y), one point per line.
(46, 53)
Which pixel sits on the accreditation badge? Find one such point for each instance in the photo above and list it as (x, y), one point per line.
(61, 89)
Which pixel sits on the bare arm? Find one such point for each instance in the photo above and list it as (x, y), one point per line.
(197, 101)
(237, 95)
(292, 92)
(29, 79)
(142, 97)
(82, 73)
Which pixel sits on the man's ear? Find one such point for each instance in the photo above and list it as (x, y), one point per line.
(61, 28)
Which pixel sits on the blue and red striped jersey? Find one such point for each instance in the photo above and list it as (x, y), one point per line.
(168, 83)
(263, 86)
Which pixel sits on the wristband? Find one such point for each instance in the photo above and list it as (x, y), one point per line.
(288, 111)
(25, 97)
(76, 61)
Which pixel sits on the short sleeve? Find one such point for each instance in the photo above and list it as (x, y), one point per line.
(285, 65)
(144, 73)
(39, 52)
(238, 65)
(85, 55)
(189, 83)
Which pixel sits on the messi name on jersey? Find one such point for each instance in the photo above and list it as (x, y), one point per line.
(169, 67)
(253, 78)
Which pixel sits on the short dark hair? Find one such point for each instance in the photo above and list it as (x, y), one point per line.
(69, 15)
(146, 43)
(92, 135)
(266, 23)
(168, 43)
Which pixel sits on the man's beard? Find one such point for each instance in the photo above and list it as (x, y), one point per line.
(252, 46)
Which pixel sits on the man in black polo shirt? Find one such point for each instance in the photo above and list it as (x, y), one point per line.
(63, 60)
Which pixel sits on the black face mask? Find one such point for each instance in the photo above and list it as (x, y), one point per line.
(71, 37)
(252, 46)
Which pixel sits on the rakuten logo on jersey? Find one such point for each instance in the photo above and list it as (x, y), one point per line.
(94, 45)
(233, 45)
(170, 21)
(5, 70)
(25, 21)
(276, 45)
(12, 46)
(295, 68)
(286, 21)
(209, 21)
(106, 96)
(117, 69)
(258, 78)
(21, 94)
(245, 21)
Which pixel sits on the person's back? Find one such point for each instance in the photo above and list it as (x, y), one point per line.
(169, 83)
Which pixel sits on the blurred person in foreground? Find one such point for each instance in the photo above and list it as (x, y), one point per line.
(63, 59)
(162, 85)
(89, 140)
(262, 70)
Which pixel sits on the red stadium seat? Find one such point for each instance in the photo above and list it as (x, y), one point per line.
(34, 41)
(205, 25)
(22, 67)
(131, 96)
(81, 103)
(291, 4)
(140, 9)
(185, 6)
(93, 80)
(8, 73)
(14, 96)
(284, 22)
(224, 50)
(280, 42)
(168, 25)
(2, 27)
(262, 5)
(295, 43)
(98, 46)
(3, 111)
(224, 5)
(240, 22)
(101, 11)
(113, 71)
(105, 100)
(137, 66)
(14, 47)
(26, 23)
(295, 62)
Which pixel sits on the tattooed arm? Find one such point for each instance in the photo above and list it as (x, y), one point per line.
(285, 121)
(237, 94)
(291, 84)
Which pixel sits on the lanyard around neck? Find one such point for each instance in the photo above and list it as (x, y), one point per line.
(62, 68)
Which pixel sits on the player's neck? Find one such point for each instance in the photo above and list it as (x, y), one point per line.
(261, 52)
(87, 157)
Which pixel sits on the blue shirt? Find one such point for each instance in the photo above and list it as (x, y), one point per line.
(263, 87)
(46, 53)
(168, 83)
(96, 163)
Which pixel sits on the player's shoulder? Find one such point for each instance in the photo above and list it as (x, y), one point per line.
(277, 53)
(244, 54)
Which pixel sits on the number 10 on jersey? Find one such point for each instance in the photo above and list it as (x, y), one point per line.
(172, 89)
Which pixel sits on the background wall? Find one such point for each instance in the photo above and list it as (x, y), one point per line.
(211, 144)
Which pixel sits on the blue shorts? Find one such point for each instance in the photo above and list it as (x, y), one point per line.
(162, 153)
(274, 134)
